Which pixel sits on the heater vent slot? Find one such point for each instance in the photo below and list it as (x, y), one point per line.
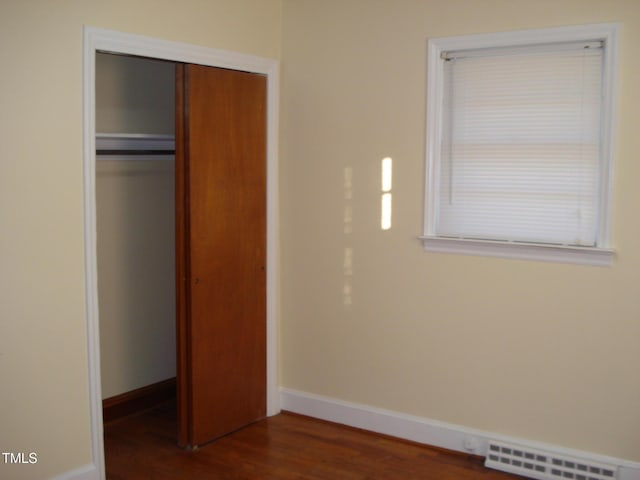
(544, 465)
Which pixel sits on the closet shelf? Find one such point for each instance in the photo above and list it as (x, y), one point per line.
(134, 144)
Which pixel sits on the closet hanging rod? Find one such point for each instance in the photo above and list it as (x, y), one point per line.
(134, 144)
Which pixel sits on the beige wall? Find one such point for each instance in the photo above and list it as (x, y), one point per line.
(43, 360)
(134, 95)
(542, 351)
(136, 271)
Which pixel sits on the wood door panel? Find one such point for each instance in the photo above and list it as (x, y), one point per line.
(225, 278)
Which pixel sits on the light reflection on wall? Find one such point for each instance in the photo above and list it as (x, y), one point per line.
(347, 266)
(385, 203)
(347, 260)
(348, 195)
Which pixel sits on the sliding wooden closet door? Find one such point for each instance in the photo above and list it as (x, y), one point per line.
(221, 192)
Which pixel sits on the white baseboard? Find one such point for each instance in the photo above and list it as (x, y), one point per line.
(86, 472)
(426, 431)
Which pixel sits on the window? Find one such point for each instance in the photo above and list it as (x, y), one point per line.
(519, 144)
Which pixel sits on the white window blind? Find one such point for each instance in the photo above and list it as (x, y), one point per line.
(521, 144)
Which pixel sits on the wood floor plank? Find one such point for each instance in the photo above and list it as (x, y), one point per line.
(283, 447)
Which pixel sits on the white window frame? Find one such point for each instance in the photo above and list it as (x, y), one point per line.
(602, 254)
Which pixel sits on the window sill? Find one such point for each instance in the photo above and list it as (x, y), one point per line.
(600, 257)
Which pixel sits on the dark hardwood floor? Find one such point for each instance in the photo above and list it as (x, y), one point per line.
(287, 446)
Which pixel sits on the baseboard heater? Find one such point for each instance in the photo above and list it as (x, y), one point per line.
(543, 465)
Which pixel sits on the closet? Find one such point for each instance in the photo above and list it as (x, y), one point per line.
(135, 105)
(198, 214)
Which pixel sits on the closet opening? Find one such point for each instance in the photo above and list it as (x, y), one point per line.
(135, 222)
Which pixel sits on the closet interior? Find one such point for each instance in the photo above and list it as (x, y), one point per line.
(135, 105)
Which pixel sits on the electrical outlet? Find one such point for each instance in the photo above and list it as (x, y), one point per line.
(471, 444)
